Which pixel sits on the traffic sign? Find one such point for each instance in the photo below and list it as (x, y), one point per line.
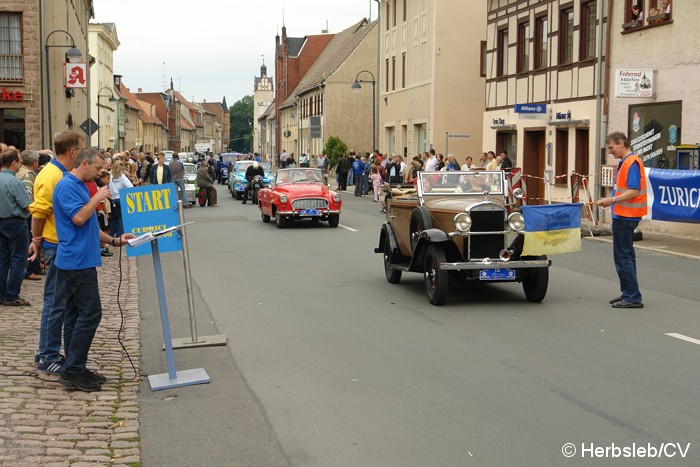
(89, 126)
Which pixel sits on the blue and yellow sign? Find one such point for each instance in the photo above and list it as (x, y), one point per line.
(151, 209)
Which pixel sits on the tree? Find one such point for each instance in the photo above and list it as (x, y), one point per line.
(335, 147)
(242, 125)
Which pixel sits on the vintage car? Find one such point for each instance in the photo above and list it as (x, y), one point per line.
(190, 182)
(222, 163)
(459, 226)
(300, 193)
(237, 182)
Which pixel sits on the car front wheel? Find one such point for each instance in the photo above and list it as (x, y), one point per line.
(265, 217)
(280, 221)
(333, 220)
(535, 282)
(434, 277)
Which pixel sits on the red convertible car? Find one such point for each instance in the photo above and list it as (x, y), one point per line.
(296, 194)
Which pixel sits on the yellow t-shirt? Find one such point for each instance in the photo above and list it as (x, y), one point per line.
(42, 207)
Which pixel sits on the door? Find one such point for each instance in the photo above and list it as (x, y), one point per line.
(533, 165)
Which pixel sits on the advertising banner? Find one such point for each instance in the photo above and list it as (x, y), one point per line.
(634, 83)
(151, 209)
(674, 195)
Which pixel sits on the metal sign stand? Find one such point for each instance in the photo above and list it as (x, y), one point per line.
(173, 378)
(194, 340)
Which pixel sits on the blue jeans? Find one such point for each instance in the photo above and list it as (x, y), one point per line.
(51, 323)
(625, 259)
(180, 184)
(78, 298)
(359, 184)
(14, 244)
(116, 224)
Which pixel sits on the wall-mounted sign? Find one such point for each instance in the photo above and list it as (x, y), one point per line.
(499, 121)
(11, 96)
(530, 108)
(634, 83)
(563, 115)
(76, 75)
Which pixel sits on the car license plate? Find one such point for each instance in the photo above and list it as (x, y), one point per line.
(308, 212)
(497, 275)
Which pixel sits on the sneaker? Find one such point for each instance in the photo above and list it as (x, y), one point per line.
(106, 252)
(79, 381)
(626, 304)
(96, 377)
(615, 300)
(51, 368)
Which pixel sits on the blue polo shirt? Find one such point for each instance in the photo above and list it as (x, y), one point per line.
(78, 246)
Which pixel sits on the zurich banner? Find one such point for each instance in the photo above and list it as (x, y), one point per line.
(673, 195)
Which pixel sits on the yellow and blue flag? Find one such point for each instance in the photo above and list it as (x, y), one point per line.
(552, 228)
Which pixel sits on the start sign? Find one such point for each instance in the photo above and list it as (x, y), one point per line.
(151, 209)
(11, 96)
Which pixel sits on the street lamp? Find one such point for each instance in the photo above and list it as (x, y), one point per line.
(356, 87)
(72, 55)
(99, 127)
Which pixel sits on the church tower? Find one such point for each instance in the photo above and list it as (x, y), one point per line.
(263, 94)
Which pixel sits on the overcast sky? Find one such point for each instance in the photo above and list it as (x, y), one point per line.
(213, 48)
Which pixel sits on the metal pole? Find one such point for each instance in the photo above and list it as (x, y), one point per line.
(374, 120)
(48, 96)
(188, 273)
(599, 118)
(99, 128)
(165, 323)
(447, 142)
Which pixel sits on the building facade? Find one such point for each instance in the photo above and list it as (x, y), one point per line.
(431, 92)
(103, 42)
(263, 95)
(541, 68)
(32, 81)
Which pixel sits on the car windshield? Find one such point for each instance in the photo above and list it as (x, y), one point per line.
(241, 167)
(226, 158)
(190, 169)
(460, 183)
(301, 175)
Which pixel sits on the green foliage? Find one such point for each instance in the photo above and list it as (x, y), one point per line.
(335, 147)
(242, 125)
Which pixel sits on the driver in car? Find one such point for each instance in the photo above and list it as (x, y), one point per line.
(312, 176)
(250, 173)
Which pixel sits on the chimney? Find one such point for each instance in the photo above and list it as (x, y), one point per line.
(325, 31)
(140, 90)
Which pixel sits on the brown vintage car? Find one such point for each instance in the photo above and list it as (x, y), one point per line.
(459, 226)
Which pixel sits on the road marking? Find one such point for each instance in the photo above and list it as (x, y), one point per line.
(346, 228)
(683, 338)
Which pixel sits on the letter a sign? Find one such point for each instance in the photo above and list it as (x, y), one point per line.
(76, 75)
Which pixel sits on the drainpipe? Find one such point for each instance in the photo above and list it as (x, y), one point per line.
(42, 93)
(600, 118)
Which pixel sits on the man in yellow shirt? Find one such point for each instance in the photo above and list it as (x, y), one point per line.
(67, 146)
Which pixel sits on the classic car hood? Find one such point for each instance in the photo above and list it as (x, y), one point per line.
(303, 190)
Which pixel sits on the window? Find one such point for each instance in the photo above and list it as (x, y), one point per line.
(652, 129)
(403, 70)
(11, 59)
(405, 7)
(588, 25)
(387, 75)
(566, 36)
(482, 64)
(393, 73)
(388, 10)
(502, 52)
(523, 47)
(541, 42)
(393, 15)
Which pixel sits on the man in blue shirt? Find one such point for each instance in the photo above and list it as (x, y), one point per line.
(14, 237)
(77, 259)
(357, 170)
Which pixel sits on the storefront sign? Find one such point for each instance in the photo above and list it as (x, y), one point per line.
(674, 195)
(11, 96)
(76, 75)
(530, 108)
(634, 83)
(563, 115)
(499, 121)
(654, 131)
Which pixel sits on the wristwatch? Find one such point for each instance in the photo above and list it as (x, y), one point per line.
(113, 240)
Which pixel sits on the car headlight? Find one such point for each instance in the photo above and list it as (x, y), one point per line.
(284, 199)
(463, 222)
(336, 197)
(516, 221)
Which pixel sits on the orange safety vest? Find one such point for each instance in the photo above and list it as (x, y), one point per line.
(637, 206)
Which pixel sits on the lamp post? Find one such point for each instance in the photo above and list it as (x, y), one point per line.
(72, 55)
(99, 127)
(356, 87)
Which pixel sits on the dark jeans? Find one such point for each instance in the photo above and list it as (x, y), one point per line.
(116, 226)
(359, 184)
(51, 323)
(14, 245)
(78, 297)
(625, 259)
(180, 184)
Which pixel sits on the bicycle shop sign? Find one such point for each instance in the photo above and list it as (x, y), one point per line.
(11, 96)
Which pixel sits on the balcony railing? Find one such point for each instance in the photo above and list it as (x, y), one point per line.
(11, 68)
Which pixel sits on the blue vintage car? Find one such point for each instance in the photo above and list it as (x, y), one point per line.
(223, 162)
(237, 182)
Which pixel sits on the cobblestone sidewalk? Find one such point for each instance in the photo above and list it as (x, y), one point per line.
(42, 422)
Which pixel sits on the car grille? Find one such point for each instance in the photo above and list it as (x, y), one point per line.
(310, 203)
(490, 245)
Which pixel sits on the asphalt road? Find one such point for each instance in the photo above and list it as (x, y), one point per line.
(329, 365)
